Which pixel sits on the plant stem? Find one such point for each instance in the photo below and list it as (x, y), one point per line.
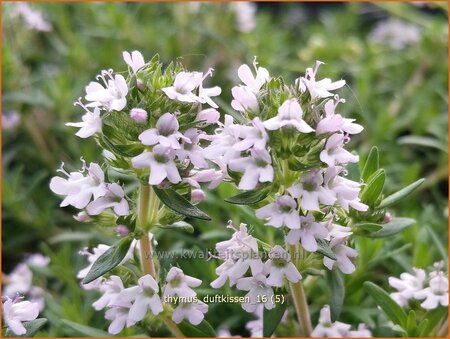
(299, 297)
(173, 328)
(147, 211)
(443, 330)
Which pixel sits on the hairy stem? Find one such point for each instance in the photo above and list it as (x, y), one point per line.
(299, 297)
(173, 328)
(147, 211)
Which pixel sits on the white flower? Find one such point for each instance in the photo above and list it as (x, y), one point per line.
(317, 89)
(193, 312)
(311, 191)
(139, 115)
(334, 153)
(184, 84)
(190, 148)
(111, 289)
(91, 122)
(245, 15)
(111, 95)
(289, 115)
(255, 136)
(244, 99)
(10, 120)
(78, 188)
(226, 136)
(144, 296)
(256, 168)
(281, 212)
(205, 94)
(343, 253)
(436, 293)
(119, 316)
(279, 266)
(92, 257)
(361, 332)
(135, 60)
(254, 83)
(256, 326)
(259, 291)
(15, 312)
(114, 198)
(209, 115)
(166, 132)
(161, 164)
(33, 18)
(19, 281)
(309, 231)
(37, 260)
(327, 329)
(335, 122)
(395, 33)
(407, 285)
(179, 284)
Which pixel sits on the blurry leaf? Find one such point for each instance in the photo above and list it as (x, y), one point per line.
(411, 324)
(84, 330)
(71, 236)
(389, 306)
(367, 226)
(131, 150)
(371, 165)
(249, 197)
(271, 319)
(423, 141)
(433, 317)
(374, 187)
(31, 326)
(179, 225)
(202, 330)
(337, 293)
(394, 226)
(397, 196)
(176, 202)
(108, 260)
(324, 249)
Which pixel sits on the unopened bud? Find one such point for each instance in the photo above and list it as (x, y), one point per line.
(197, 195)
(140, 84)
(82, 217)
(139, 115)
(122, 230)
(387, 217)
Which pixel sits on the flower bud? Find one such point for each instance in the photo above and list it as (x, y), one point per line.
(122, 230)
(210, 115)
(197, 195)
(387, 217)
(82, 217)
(139, 115)
(140, 84)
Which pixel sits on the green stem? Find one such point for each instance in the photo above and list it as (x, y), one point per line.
(173, 328)
(443, 330)
(147, 211)
(299, 297)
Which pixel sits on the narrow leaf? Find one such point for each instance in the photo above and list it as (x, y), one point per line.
(367, 226)
(394, 226)
(31, 326)
(337, 293)
(179, 225)
(248, 197)
(399, 195)
(389, 306)
(176, 202)
(374, 187)
(108, 260)
(85, 330)
(324, 249)
(272, 318)
(434, 318)
(371, 165)
(202, 330)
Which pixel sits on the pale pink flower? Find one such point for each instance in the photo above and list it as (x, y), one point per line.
(289, 115)
(183, 87)
(407, 285)
(180, 284)
(344, 255)
(15, 312)
(328, 329)
(334, 152)
(257, 287)
(436, 294)
(280, 266)
(166, 132)
(111, 95)
(114, 198)
(135, 60)
(308, 233)
(281, 212)
(139, 115)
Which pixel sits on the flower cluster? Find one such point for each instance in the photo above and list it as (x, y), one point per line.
(328, 329)
(17, 285)
(413, 286)
(241, 255)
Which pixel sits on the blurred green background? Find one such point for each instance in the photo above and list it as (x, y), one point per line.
(392, 55)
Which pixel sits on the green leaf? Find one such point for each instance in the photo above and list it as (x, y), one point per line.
(337, 293)
(179, 225)
(394, 226)
(129, 151)
(433, 317)
(176, 202)
(371, 165)
(394, 312)
(324, 249)
(249, 197)
(367, 226)
(85, 330)
(397, 196)
(423, 141)
(31, 326)
(108, 260)
(202, 330)
(271, 319)
(374, 187)
(411, 324)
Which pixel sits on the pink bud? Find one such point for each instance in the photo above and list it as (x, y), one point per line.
(139, 115)
(210, 115)
(197, 195)
(82, 217)
(140, 84)
(387, 217)
(122, 230)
